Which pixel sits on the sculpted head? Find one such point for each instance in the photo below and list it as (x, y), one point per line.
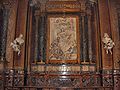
(106, 35)
(21, 36)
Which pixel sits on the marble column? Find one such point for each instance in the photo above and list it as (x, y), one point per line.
(84, 37)
(42, 39)
(36, 39)
(89, 38)
(4, 33)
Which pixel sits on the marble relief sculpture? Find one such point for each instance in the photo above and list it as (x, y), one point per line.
(17, 43)
(108, 43)
(63, 39)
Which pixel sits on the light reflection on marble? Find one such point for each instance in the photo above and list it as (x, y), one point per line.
(64, 70)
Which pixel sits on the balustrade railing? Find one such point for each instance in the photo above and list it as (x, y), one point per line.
(15, 79)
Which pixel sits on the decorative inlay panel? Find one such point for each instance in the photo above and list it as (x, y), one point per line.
(63, 6)
(62, 68)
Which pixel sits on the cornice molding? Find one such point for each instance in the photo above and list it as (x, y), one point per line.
(7, 4)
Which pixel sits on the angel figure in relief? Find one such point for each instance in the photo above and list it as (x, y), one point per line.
(108, 43)
(16, 44)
